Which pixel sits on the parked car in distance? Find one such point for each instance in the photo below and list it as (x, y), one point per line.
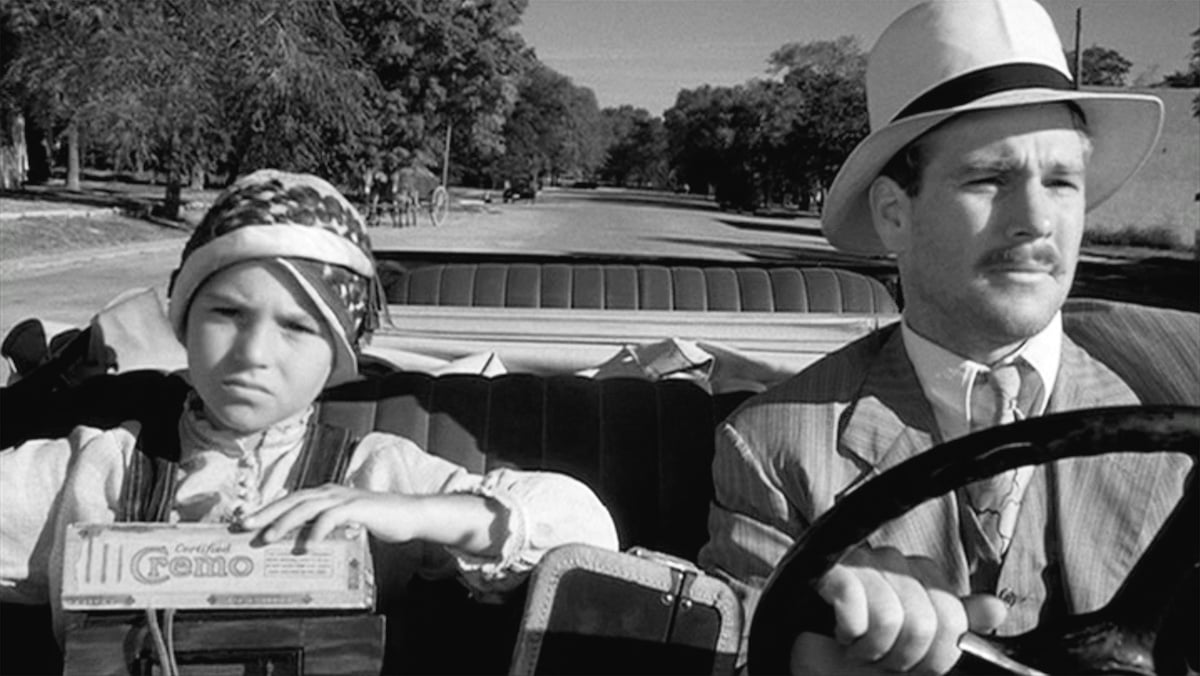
(520, 190)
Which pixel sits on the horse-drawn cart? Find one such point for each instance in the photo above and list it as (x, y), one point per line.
(404, 193)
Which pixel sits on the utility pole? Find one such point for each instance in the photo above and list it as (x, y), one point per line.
(446, 155)
(1078, 51)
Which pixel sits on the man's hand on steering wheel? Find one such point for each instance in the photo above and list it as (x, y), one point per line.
(893, 614)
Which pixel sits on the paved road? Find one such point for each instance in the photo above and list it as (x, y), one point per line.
(608, 222)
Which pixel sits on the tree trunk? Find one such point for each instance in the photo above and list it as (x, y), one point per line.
(18, 172)
(39, 159)
(172, 200)
(73, 169)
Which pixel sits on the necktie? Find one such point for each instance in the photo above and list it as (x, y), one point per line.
(999, 396)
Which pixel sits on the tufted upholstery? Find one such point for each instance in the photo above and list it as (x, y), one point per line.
(638, 287)
(644, 446)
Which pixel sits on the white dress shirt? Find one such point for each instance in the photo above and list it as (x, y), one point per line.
(947, 378)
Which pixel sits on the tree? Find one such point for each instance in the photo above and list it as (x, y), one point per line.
(695, 139)
(187, 85)
(841, 57)
(1102, 66)
(715, 141)
(636, 148)
(439, 64)
(776, 140)
(296, 92)
(63, 55)
(28, 161)
(554, 128)
(1190, 77)
(584, 144)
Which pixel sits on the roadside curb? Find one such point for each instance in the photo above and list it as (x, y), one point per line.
(78, 212)
(44, 262)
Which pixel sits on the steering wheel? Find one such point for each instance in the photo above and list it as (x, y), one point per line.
(1119, 637)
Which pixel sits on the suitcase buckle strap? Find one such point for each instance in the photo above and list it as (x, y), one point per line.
(678, 597)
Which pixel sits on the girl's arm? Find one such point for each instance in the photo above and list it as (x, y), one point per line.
(496, 526)
(471, 523)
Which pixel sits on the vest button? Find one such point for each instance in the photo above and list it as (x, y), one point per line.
(1008, 596)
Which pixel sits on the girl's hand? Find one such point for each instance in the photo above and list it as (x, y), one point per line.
(470, 523)
(388, 516)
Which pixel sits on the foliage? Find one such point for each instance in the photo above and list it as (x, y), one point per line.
(293, 91)
(438, 64)
(637, 148)
(58, 52)
(828, 93)
(554, 128)
(699, 134)
(583, 149)
(1102, 66)
(231, 85)
(187, 85)
(839, 57)
(775, 140)
(1190, 77)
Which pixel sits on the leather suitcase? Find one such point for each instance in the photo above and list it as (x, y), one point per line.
(595, 611)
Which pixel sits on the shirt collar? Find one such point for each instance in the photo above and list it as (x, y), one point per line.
(197, 433)
(946, 378)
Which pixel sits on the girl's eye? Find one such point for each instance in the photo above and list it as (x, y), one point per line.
(301, 327)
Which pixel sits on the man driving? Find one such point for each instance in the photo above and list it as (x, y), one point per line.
(980, 166)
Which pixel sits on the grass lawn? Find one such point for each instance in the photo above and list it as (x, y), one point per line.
(31, 236)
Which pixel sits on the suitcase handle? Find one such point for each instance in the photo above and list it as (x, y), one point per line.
(672, 562)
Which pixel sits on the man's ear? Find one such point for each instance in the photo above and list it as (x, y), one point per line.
(890, 213)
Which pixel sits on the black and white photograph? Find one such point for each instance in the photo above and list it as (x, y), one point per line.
(540, 337)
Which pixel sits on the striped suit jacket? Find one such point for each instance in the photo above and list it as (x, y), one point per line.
(788, 454)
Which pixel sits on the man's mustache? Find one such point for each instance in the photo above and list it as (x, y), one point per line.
(1042, 254)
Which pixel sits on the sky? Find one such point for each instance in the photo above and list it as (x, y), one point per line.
(642, 52)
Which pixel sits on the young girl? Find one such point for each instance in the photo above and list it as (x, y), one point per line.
(275, 292)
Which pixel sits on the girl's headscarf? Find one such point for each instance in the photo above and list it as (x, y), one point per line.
(302, 225)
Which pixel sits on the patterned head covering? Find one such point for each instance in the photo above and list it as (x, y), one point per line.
(303, 226)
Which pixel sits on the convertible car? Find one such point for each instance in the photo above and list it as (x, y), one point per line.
(616, 369)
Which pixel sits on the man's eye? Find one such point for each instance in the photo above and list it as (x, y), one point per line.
(1064, 183)
(224, 311)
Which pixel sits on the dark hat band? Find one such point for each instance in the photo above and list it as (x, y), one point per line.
(977, 84)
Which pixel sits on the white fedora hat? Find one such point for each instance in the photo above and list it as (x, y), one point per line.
(946, 57)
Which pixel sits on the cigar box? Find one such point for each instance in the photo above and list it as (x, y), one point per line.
(122, 566)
